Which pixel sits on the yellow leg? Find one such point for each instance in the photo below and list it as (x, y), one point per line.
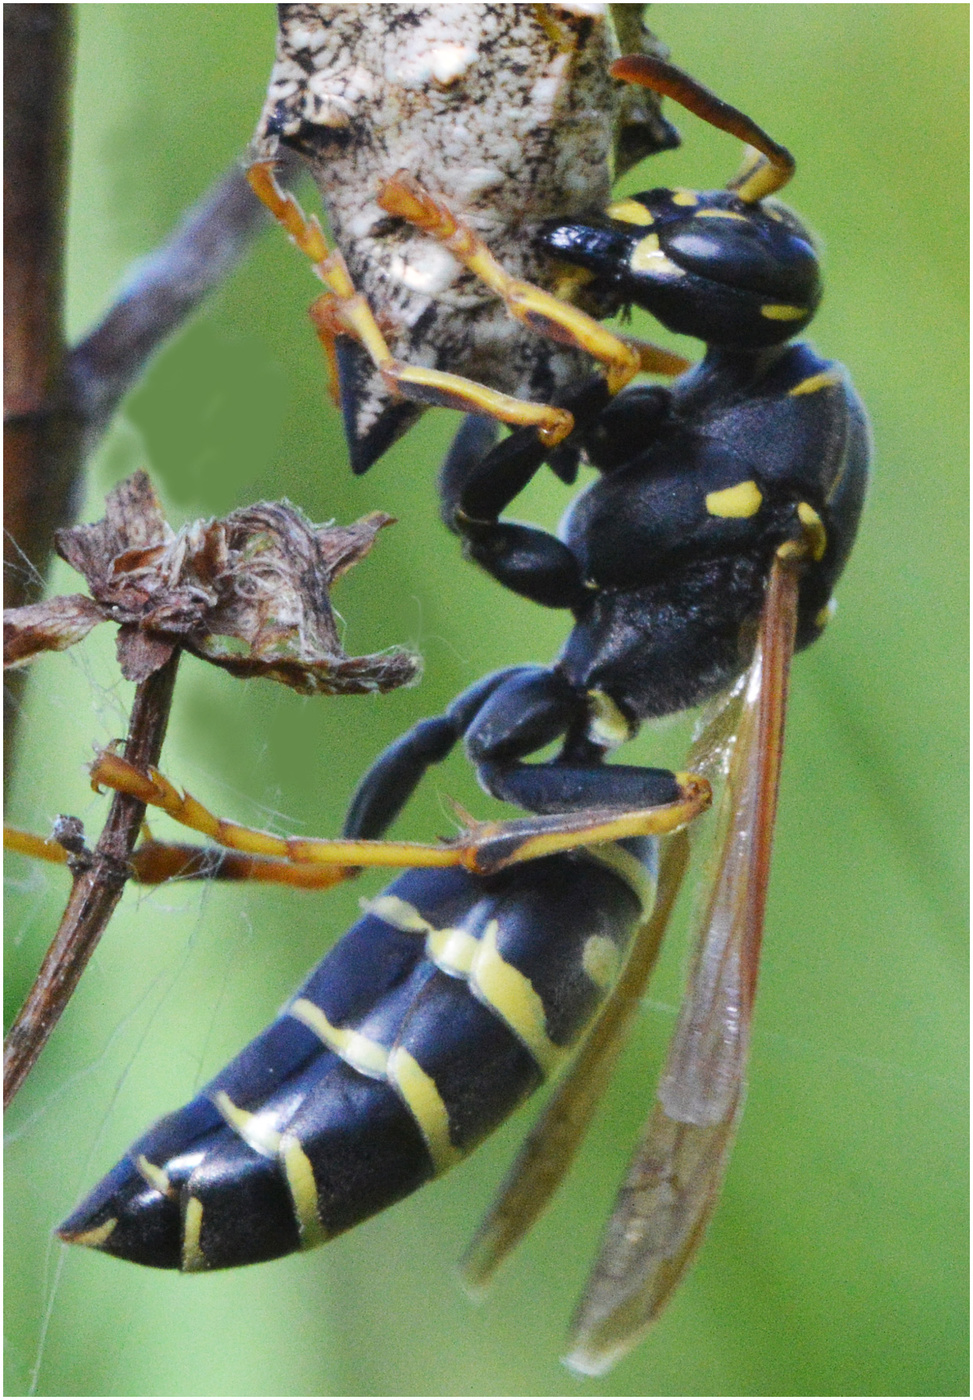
(153, 862)
(347, 312)
(654, 360)
(405, 198)
(483, 849)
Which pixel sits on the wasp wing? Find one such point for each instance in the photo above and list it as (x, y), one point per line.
(675, 1176)
(550, 1147)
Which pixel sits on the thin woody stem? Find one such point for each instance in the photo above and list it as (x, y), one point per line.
(96, 890)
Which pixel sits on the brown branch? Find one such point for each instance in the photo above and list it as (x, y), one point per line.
(97, 889)
(36, 71)
(161, 292)
(39, 441)
(58, 402)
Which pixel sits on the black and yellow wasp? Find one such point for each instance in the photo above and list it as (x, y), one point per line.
(705, 551)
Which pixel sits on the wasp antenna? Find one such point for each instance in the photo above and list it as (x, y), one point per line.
(754, 182)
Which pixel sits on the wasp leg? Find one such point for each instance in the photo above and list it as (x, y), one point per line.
(345, 312)
(395, 775)
(534, 709)
(405, 198)
(477, 482)
(482, 849)
(153, 862)
(549, 1150)
(653, 359)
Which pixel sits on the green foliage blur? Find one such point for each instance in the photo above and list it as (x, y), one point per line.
(836, 1262)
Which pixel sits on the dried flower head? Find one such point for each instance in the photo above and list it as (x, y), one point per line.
(250, 593)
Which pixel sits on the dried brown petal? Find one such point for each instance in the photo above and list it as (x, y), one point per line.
(51, 626)
(133, 520)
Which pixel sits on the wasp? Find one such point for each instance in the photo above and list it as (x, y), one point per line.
(703, 555)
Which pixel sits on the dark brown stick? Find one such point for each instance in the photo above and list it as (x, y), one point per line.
(95, 893)
(38, 440)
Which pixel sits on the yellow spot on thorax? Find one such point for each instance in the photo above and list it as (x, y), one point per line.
(735, 502)
(721, 214)
(193, 1258)
(423, 1100)
(775, 311)
(629, 211)
(607, 724)
(826, 614)
(686, 198)
(825, 380)
(647, 256)
(813, 529)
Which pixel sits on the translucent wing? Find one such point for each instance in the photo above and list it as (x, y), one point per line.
(675, 1176)
(550, 1148)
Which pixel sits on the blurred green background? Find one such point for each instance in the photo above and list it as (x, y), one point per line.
(836, 1262)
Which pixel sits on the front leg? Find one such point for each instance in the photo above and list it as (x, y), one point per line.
(343, 311)
(478, 481)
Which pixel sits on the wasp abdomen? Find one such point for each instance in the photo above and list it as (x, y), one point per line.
(423, 1028)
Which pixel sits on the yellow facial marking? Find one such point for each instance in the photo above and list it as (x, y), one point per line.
(735, 502)
(647, 247)
(773, 311)
(253, 1128)
(814, 529)
(511, 995)
(367, 1056)
(155, 1176)
(94, 1239)
(303, 1189)
(686, 198)
(424, 1101)
(629, 211)
(647, 256)
(600, 960)
(193, 1258)
(639, 880)
(826, 614)
(606, 723)
(826, 380)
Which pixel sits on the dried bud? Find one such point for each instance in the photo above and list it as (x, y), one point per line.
(248, 593)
